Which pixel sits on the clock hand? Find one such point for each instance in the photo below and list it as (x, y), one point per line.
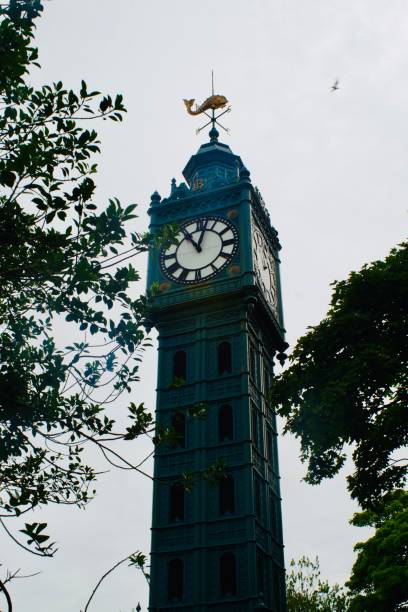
(191, 239)
(202, 234)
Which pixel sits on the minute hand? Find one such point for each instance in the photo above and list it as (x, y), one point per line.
(202, 234)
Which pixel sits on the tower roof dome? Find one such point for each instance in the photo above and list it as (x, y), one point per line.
(212, 154)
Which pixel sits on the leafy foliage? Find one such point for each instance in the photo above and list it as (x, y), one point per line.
(63, 259)
(348, 381)
(379, 579)
(307, 592)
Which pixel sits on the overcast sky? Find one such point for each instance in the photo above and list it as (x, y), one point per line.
(332, 168)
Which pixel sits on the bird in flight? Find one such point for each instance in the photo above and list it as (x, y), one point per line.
(335, 85)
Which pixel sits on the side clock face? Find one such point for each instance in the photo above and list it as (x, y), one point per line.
(264, 264)
(206, 245)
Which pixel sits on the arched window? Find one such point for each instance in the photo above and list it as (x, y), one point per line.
(228, 575)
(180, 365)
(175, 580)
(227, 495)
(224, 358)
(225, 423)
(176, 510)
(178, 423)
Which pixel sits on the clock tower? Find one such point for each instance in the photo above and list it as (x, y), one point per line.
(216, 527)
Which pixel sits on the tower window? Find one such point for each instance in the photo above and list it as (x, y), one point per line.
(273, 519)
(176, 502)
(258, 501)
(254, 419)
(180, 365)
(175, 580)
(276, 581)
(224, 358)
(178, 424)
(227, 495)
(225, 423)
(272, 451)
(267, 384)
(252, 362)
(268, 446)
(260, 571)
(228, 575)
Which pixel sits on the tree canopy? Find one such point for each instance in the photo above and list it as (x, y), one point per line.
(379, 579)
(347, 383)
(306, 591)
(64, 260)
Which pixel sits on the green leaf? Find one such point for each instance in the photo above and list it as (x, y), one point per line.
(104, 105)
(7, 177)
(83, 92)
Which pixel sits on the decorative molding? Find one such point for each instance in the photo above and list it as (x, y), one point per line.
(218, 535)
(223, 315)
(169, 327)
(224, 389)
(232, 214)
(198, 292)
(197, 203)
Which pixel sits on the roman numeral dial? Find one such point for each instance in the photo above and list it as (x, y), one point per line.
(265, 268)
(205, 246)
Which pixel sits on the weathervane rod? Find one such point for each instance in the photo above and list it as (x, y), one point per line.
(212, 88)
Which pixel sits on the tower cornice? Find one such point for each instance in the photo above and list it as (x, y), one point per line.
(169, 210)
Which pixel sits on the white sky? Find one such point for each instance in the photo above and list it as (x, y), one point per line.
(331, 168)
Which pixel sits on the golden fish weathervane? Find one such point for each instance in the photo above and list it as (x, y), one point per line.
(212, 103)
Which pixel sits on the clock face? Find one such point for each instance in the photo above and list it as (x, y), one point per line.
(206, 245)
(265, 269)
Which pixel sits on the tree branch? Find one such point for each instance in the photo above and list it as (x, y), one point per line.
(7, 596)
(103, 578)
(22, 545)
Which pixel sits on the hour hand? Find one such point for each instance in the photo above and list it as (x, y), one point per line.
(191, 239)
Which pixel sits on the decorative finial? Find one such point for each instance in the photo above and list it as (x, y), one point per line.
(213, 134)
(155, 198)
(244, 175)
(173, 186)
(212, 103)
